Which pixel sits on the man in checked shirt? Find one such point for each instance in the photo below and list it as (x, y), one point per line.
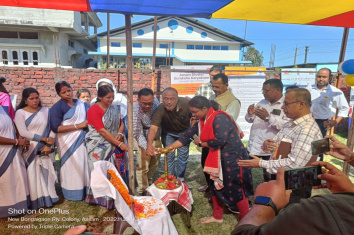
(143, 111)
(299, 132)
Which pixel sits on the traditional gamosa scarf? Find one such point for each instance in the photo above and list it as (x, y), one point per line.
(213, 162)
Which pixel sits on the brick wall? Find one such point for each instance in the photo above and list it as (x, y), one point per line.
(44, 79)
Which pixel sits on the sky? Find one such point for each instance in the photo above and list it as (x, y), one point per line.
(324, 42)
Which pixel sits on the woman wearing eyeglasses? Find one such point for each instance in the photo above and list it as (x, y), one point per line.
(231, 184)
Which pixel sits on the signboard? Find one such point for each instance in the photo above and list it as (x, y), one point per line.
(247, 87)
(187, 82)
(302, 77)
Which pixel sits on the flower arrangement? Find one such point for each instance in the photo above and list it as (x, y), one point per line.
(117, 183)
(170, 182)
(146, 208)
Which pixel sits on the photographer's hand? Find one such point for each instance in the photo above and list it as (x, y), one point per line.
(336, 181)
(275, 189)
(339, 150)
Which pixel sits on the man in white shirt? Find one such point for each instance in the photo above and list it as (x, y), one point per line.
(267, 118)
(325, 100)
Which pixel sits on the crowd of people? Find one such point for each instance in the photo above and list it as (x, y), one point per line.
(85, 131)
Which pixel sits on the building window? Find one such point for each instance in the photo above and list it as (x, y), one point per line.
(4, 56)
(28, 35)
(190, 47)
(224, 48)
(71, 43)
(207, 47)
(6, 34)
(199, 47)
(164, 46)
(115, 44)
(216, 47)
(15, 57)
(139, 45)
(35, 57)
(25, 57)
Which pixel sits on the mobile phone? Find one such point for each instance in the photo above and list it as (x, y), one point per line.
(320, 146)
(298, 178)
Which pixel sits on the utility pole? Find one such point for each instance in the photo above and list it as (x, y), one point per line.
(295, 56)
(272, 56)
(306, 50)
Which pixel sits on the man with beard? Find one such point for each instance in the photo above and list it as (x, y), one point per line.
(325, 100)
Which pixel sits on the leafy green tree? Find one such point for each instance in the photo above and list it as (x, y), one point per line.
(253, 55)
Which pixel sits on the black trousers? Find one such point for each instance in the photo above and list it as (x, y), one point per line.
(321, 126)
(205, 152)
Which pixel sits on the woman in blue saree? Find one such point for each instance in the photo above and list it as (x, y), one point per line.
(32, 122)
(105, 139)
(68, 121)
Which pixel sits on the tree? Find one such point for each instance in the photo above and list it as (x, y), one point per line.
(253, 55)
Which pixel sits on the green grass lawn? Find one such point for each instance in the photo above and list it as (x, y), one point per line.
(81, 211)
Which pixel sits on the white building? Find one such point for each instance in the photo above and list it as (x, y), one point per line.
(46, 38)
(186, 41)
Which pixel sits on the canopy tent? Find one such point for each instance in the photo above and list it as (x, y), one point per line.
(311, 12)
(338, 13)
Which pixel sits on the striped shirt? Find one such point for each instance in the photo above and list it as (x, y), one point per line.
(300, 133)
(142, 122)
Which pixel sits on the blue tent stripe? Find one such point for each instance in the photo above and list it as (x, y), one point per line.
(198, 8)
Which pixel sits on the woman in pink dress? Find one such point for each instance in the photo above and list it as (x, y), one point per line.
(5, 98)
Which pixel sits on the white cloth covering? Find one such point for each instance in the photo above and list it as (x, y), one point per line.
(13, 183)
(160, 224)
(40, 171)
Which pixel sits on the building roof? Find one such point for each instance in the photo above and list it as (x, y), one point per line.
(188, 19)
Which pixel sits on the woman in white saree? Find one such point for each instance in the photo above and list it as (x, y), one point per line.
(68, 120)
(13, 179)
(32, 122)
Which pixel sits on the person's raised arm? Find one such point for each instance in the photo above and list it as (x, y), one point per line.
(150, 150)
(275, 189)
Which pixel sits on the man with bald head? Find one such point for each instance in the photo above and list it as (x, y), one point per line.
(325, 100)
(299, 132)
(173, 116)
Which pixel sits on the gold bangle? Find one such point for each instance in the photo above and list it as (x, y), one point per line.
(120, 144)
(76, 127)
(16, 142)
(47, 140)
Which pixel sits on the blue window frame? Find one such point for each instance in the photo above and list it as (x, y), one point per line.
(207, 47)
(163, 46)
(115, 44)
(190, 47)
(199, 47)
(216, 47)
(137, 45)
(225, 48)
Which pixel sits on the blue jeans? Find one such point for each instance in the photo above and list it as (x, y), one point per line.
(183, 154)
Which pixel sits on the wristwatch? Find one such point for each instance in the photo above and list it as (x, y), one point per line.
(200, 144)
(267, 119)
(266, 201)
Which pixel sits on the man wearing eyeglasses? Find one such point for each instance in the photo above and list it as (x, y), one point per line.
(143, 110)
(325, 100)
(174, 117)
(267, 119)
(296, 135)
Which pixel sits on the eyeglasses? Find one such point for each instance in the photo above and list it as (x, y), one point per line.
(266, 91)
(287, 104)
(166, 99)
(146, 104)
